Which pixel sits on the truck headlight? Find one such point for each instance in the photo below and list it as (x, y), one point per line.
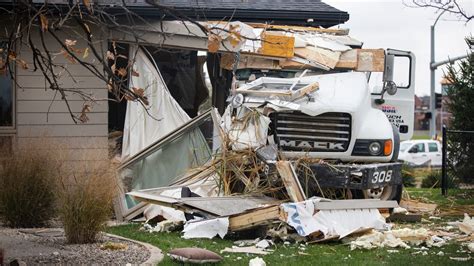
(238, 100)
(373, 147)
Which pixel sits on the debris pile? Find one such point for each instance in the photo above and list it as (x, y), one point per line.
(257, 166)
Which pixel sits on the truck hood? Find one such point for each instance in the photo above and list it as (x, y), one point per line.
(344, 92)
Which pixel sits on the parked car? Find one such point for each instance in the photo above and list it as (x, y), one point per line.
(421, 152)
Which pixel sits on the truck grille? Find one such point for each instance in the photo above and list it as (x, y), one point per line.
(328, 132)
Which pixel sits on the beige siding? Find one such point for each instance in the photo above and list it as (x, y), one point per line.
(42, 116)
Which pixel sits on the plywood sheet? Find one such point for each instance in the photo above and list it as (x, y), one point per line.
(278, 45)
(321, 56)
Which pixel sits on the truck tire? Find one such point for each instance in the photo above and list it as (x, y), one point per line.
(393, 192)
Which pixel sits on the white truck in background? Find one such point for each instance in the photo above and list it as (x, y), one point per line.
(353, 123)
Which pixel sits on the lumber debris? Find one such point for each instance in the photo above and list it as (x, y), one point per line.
(292, 184)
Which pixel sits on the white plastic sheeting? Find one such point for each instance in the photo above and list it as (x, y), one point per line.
(306, 220)
(143, 126)
(206, 228)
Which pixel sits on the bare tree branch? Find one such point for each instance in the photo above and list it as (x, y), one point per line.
(449, 6)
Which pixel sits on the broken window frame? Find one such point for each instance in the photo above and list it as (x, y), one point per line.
(121, 207)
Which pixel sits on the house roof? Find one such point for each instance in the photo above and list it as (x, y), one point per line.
(284, 12)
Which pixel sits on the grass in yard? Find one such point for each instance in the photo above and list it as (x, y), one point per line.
(327, 253)
(316, 254)
(462, 199)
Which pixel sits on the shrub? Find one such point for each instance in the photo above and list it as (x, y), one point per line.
(433, 180)
(86, 203)
(408, 176)
(28, 186)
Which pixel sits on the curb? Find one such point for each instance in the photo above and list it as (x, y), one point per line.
(156, 256)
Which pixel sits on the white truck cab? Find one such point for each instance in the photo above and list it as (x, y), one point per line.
(345, 121)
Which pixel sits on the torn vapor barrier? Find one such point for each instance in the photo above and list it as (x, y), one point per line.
(144, 126)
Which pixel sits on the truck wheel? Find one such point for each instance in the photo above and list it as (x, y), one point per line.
(393, 192)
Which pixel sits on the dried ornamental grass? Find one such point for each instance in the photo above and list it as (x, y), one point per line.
(28, 186)
(86, 203)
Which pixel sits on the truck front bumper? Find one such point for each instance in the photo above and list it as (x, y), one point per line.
(357, 176)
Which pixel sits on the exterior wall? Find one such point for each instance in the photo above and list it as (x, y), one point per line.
(42, 114)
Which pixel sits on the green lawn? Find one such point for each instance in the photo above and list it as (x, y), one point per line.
(455, 198)
(318, 254)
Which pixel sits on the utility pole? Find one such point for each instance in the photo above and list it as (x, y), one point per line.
(432, 79)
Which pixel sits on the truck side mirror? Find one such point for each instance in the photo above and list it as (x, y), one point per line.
(389, 85)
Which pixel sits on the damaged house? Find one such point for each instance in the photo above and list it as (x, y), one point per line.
(304, 120)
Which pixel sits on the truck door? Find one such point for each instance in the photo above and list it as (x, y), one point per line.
(400, 107)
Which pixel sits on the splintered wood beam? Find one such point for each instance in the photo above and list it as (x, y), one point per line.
(290, 180)
(321, 56)
(254, 217)
(371, 60)
(348, 60)
(298, 28)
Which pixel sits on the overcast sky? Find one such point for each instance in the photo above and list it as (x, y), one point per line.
(391, 24)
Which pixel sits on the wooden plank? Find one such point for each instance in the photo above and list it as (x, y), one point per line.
(348, 60)
(276, 44)
(321, 56)
(291, 64)
(308, 89)
(372, 60)
(290, 180)
(299, 28)
(254, 217)
(251, 62)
